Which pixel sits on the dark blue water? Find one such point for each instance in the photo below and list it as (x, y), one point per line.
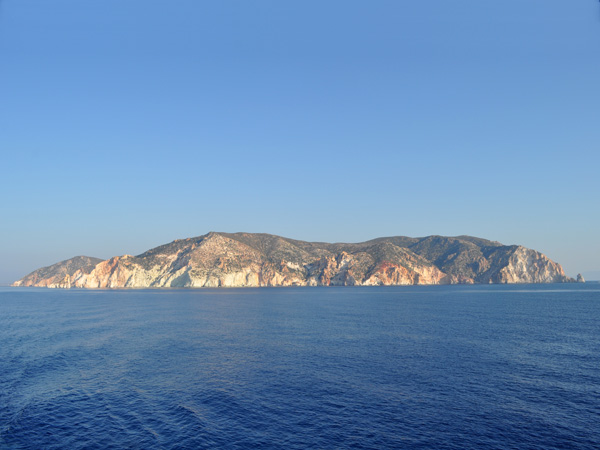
(441, 367)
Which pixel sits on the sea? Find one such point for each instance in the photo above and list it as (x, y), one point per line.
(408, 367)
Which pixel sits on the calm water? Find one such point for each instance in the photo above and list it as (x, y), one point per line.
(441, 367)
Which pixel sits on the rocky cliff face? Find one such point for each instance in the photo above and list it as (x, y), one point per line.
(523, 265)
(58, 275)
(245, 259)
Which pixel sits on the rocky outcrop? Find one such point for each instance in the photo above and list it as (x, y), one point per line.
(523, 265)
(246, 259)
(580, 278)
(59, 275)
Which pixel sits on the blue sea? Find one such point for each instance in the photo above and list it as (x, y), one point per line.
(437, 367)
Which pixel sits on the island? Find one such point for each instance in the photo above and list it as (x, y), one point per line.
(257, 259)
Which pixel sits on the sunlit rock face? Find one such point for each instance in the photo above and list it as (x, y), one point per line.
(524, 265)
(59, 275)
(253, 260)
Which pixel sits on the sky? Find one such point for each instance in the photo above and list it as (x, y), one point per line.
(128, 124)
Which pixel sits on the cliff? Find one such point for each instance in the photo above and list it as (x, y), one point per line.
(250, 259)
(59, 274)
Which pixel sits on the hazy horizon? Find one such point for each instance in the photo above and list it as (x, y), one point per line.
(126, 125)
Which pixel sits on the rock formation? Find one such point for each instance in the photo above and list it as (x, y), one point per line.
(580, 278)
(247, 259)
(59, 274)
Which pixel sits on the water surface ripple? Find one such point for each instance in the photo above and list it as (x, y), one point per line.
(440, 367)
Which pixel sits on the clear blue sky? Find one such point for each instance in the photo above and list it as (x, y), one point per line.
(127, 124)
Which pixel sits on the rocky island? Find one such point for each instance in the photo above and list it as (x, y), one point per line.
(253, 259)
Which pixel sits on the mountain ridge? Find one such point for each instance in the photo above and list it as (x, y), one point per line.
(241, 259)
